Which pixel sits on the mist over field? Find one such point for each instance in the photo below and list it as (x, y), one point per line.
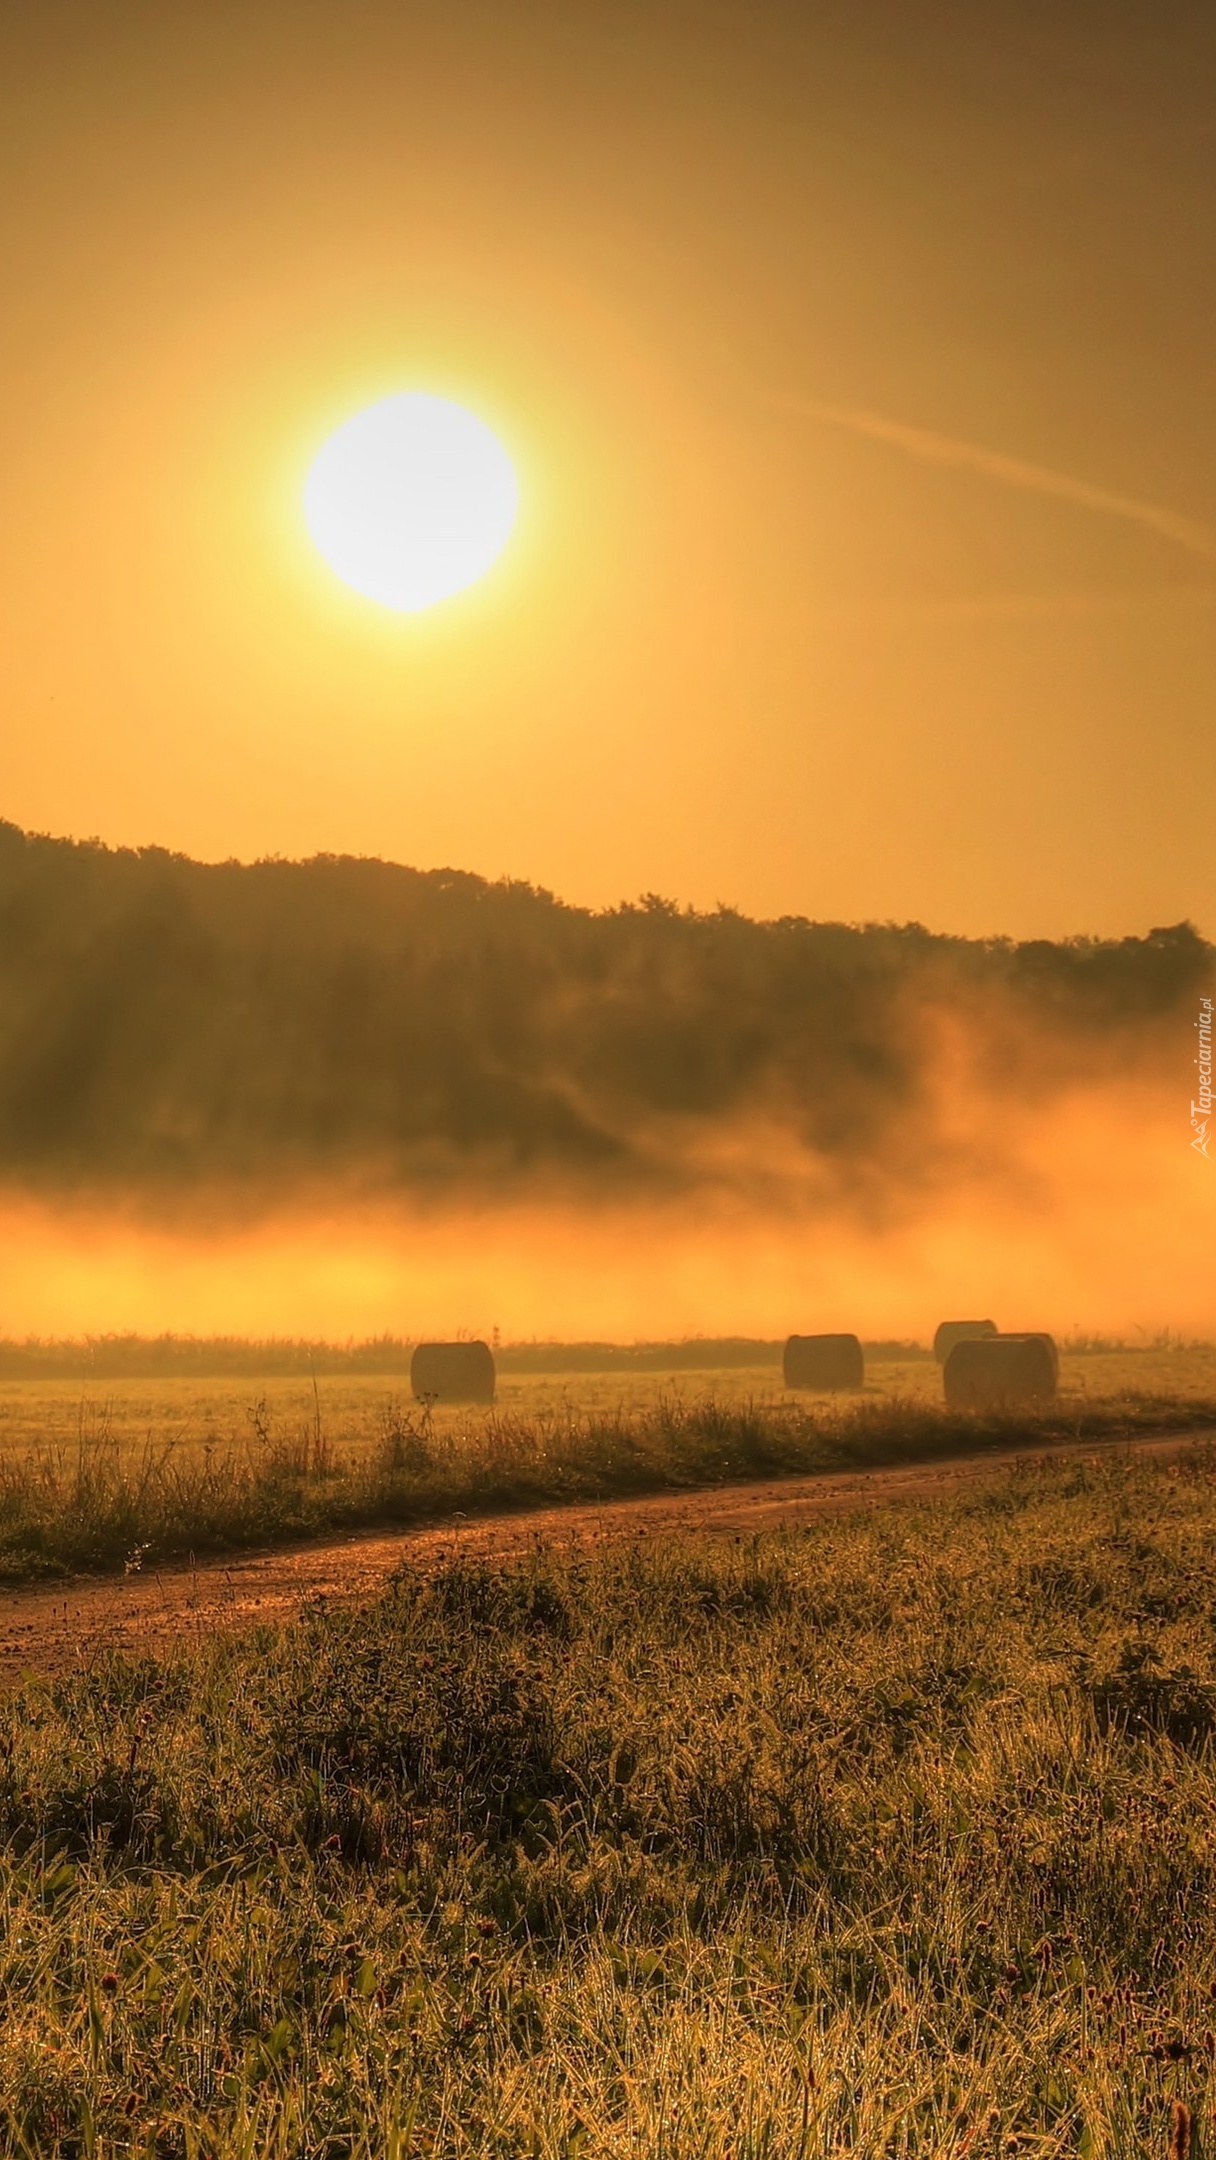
(340, 1094)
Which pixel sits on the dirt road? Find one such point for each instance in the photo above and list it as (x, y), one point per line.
(49, 1627)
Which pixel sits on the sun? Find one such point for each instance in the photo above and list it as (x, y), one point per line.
(411, 500)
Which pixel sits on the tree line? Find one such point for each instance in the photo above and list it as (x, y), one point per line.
(168, 1022)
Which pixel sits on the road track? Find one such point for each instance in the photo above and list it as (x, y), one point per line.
(50, 1627)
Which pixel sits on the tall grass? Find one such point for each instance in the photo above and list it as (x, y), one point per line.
(103, 1505)
(894, 1838)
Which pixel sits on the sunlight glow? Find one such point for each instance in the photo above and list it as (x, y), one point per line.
(411, 500)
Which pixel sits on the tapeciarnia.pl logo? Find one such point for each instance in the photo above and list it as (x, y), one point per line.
(1201, 1111)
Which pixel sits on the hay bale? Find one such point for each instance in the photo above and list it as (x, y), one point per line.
(453, 1372)
(1036, 1335)
(952, 1331)
(999, 1372)
(825, 1362)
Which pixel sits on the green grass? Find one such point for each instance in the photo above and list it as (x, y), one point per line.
(105, 1503)
(894, 1837)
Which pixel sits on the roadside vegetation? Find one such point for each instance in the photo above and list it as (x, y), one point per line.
(105, 1503)
(893, 1837)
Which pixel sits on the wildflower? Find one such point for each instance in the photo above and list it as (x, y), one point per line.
(1163, 2050)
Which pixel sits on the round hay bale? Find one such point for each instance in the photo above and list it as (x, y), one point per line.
(999, 1372)
(1036, 1335)
(823, 1362)
(952, 1331)
(453, 1372)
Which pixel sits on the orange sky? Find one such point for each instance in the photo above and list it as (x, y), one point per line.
(856, 363)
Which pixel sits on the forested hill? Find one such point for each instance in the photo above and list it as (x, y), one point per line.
(169, 1021)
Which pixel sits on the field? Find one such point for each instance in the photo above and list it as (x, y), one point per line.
(893, 1837)
(161, 1468)
(218, 1412)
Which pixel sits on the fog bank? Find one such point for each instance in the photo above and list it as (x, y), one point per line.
(338, 1098)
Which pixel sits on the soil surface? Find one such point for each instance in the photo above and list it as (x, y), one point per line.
(49, 1627)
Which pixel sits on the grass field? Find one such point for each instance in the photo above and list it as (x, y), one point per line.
(198, 1412)
(894, 1837)
(161, 1468)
